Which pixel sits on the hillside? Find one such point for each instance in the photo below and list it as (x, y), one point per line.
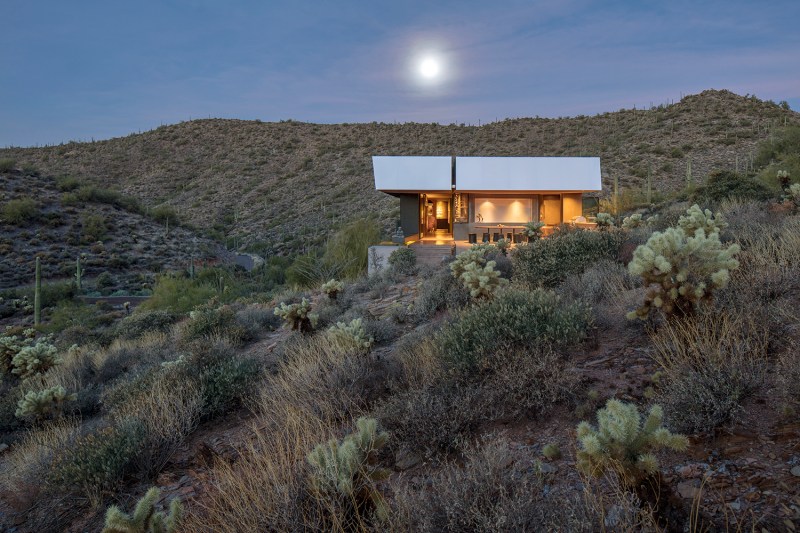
(59, 222)
(282, 187)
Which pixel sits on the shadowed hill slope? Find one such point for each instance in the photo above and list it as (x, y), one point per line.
(286, 185)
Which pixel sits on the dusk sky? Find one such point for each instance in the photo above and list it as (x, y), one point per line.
(98, 69)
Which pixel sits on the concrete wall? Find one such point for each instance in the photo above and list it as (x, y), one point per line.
(379, 254)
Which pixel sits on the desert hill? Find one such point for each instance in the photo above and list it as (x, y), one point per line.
(283, 187)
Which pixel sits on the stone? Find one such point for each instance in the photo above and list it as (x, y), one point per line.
(3, 447)
(795, 471)
(688, 489)
(547, 468)
(406, 459)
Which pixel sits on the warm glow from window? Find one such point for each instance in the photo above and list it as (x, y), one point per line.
(504, 210)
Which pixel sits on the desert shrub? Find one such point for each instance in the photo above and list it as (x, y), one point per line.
(710, 364)
(550, 261)
(622, 443)
(94, 228)
(164, 214)
(145, 518)
(124, 356)
(491, 491)
(44, 404)
(209, 320)
(352, 334)
(9, 401)
(96, 461)
(178, 295)
(297, 316)
(789, 374)
(7, 165)
(53, 293)
(343, 476)
(227, 384)
(255, 318)
(142, 322)
(514, 317)
(381, 330)
(680, 269)
(35, 359)
(724, 184)
(404, 261)
(793, 194)
(348, 247)
(433, 419)
(602, 280)
(20, 211)
(438, 292)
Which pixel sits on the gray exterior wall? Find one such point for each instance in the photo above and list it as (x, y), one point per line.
(409, 214)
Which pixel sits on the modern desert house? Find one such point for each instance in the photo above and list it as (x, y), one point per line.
(460, 197)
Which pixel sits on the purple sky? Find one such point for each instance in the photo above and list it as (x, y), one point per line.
(100, 69)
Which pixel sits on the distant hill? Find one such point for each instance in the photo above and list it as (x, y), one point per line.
(282, 187)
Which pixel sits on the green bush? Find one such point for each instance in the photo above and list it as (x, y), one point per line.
(142, 322)
(404, 260)
(438, 292)
(227, 383)
(96, 461)
(94, 228)
(67, 183)
(548, 262)
(723, 184)
(20, 211)
(178, 295)
(7, 165)
(348, 248)
(514, 318)
(212, 321)
(165, 214)
(53, 293)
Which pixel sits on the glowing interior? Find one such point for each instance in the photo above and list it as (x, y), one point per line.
(502, 210)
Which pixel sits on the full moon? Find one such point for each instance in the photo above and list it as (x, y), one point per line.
(429, 68)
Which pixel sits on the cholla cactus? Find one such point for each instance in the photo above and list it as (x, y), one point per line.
(623, 444)
(682, 269)
(144, 519)
(695, 218)
(634, 221)
(793, 194)
(533, 230)
(783, 179)
(482, 281)
(35, 359)
(332, 288)
(10, 346)
(297, 316)
(604, 220)
(476, 254)
(503, 245)
(42, 404)
(343, 470)
(352, 334)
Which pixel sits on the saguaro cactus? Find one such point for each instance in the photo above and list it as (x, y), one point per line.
(37, 294)
(78, 273)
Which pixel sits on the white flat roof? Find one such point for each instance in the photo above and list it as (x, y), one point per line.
(579, 174)
(412, 173)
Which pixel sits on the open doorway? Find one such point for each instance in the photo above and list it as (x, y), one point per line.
(436, 220)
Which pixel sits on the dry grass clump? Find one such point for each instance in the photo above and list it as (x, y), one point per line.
(319, 386)
(124, 356)
(24, 466)
(167, 411)
(711, 363)
(490, 492)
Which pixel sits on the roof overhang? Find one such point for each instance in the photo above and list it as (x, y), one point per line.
(528, 174)
(413, 174)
